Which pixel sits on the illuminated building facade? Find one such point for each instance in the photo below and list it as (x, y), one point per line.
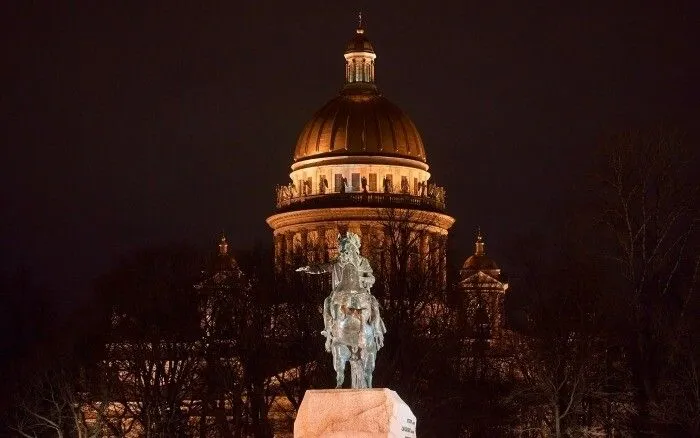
(358, 158)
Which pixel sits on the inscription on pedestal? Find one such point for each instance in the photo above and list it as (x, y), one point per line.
(409, 428)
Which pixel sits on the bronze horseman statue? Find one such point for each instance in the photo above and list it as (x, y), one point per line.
(353, 328)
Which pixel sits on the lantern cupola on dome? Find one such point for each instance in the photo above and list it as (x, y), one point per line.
(359, 58)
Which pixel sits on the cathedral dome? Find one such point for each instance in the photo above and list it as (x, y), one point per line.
(359, 122)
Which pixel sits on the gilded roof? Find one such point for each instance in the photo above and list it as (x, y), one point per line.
(360, 122)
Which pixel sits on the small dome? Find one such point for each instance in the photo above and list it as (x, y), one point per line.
(359, 43)
(479, 263)
(223, 260)
(360, 122)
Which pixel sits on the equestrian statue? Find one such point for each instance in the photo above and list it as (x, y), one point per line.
(353, 328)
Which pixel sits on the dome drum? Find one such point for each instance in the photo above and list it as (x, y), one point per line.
(360, 177)
(379, 185)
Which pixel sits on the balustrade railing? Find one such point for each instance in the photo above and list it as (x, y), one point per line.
(435, 200)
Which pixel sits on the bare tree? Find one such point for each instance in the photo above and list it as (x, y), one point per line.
(555, 358)
(52, 405)
(409, 256)
(155, 384)
(677, 405)
(151, 368)
(649, 203)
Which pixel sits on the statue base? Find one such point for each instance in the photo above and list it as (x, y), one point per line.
(365, 413)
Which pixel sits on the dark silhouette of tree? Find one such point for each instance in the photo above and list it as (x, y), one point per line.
(648, 210)
(151, 361)
(568, 383)
(421, 343)
(49, 406)
(192, 351)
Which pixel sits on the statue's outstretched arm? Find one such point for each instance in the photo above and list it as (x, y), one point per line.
(316, 269)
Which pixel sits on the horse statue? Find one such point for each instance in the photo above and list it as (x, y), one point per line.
(353, 327)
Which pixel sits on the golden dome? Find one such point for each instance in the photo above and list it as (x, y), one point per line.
(360, 121)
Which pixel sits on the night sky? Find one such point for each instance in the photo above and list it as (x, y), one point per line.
(135, 124)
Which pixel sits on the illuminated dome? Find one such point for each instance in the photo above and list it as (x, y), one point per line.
(358, 158)
(360, 123)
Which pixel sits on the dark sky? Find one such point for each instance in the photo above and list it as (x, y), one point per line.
(128, 124)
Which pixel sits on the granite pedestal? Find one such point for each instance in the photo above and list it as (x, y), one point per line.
(356, 413)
